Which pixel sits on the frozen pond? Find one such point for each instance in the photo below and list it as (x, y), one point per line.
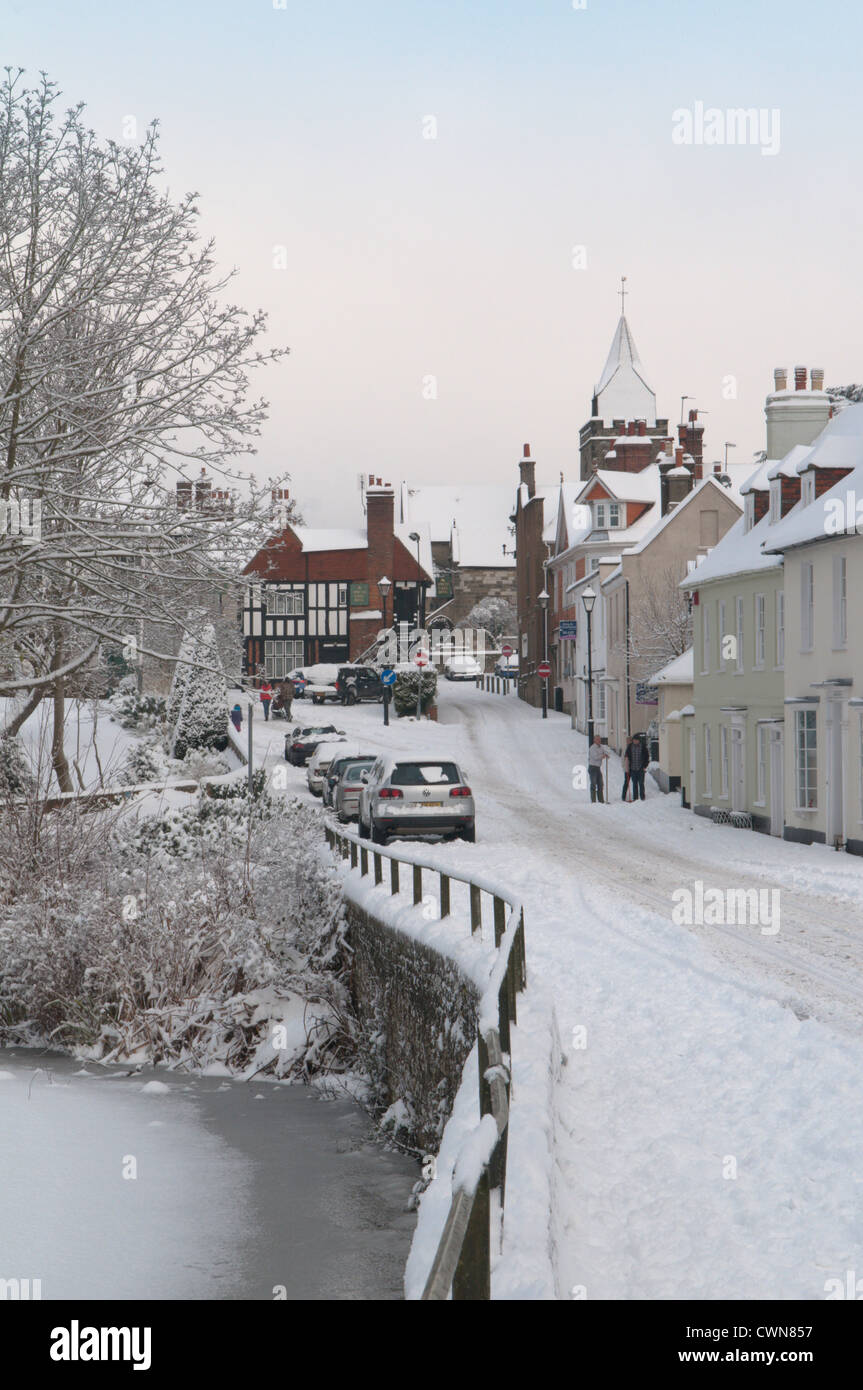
(157, 1185)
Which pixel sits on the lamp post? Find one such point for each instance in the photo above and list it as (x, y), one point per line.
(588, 598)
(728, 445)
(543, 603)
(415, 536)
(384, 586)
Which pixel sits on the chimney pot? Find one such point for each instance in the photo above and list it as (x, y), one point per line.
(527, 451)
(816, 377)
(642, 427)
(780, 379)
(799, 378)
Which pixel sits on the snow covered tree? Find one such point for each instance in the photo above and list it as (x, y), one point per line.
(660, 624)
(496, 615)
(121, 369)
(202, 718)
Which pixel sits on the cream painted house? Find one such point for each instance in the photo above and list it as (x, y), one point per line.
(821, 539)
(674, 685)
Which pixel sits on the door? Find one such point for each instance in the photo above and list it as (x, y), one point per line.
(777, 782)
(692, 761)
(738, 771)
(835, 774)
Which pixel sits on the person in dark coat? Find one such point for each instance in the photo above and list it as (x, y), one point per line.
(635, 760)
(284, 697)
(237, 718)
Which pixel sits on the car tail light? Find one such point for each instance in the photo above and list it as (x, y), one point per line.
(460, 791)
(389, 793)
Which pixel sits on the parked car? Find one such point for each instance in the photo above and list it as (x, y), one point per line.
(300, 744)
(507, 666)
(427, 795)
(357, 683)
(335, 770)
(462, 668)
(321, 682)
(346, 793)
(319, 764)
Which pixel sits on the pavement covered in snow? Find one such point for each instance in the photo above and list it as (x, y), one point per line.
(708, 1121)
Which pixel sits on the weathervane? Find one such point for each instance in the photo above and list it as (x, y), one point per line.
(622, 292)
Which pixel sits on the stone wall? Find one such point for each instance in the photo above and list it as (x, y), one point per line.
(418, 1014)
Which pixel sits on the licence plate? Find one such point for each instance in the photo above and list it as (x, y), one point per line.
(429, 805)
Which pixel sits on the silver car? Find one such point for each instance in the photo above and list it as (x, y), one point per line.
(320, 762)
(417, 795)
(346, 792)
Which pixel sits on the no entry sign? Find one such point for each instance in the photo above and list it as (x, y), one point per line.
(544, 669)
(421, 659)
(506, 651)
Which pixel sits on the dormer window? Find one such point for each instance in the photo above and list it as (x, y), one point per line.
(807, 492)
(606, 514)
(775, 499)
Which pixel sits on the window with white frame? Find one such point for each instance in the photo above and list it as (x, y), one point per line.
(740, 633)
(281, 657)
(723, 760)
(599, 514)
(749, 511)
(760, 628)
(807, 488)
(775, 499)
(285, 603)
(721, 634)
(806, 758)
(780, 628)
(807, 607)
(840, 602)
(614, 513)
(761, 765)
(705, 638)
(708, 763)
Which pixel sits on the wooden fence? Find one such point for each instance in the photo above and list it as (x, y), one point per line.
(462, 1264)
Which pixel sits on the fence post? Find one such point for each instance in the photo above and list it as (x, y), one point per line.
(353, 854)
(418, 884)
(394, 876)
(379, 868)
(444, 895)
(499, 921)
(472, 1279)
(475, 909)
(364, 861)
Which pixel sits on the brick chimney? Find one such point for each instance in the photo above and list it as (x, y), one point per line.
(527, 471)
(184, 495)
(380, 517)
(203, 488)
(691, 439)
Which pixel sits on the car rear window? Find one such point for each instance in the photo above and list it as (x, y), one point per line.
(421, 774)
(354, 774)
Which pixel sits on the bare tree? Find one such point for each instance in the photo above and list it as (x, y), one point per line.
(660, 623)
(122, 369)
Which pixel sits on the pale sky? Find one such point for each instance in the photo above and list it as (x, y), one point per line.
(409, 258)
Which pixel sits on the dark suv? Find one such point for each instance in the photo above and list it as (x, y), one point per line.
(357, 683)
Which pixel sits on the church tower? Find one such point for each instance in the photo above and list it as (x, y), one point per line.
(623, 432)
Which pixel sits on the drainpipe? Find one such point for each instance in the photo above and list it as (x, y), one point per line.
(628, 696)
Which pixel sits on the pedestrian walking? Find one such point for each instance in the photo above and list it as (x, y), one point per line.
(266, 698)
(237, 718)
(596, 754)
(627, 775)
(284, 697)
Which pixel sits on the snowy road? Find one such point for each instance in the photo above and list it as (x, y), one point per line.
(709, 1135)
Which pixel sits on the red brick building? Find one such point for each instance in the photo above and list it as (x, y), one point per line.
(313, 594)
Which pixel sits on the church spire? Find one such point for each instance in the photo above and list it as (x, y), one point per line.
(622, 391)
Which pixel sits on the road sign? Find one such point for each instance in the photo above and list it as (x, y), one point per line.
(506, 651)
(421, 659)
(388, 677)
(544, 670)
(568, 630)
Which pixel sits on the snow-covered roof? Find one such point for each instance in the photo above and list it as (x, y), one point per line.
(805, 524)
(679, 671)
(473, 518)
(314, 538)
(738, 552)
(789, 466)
(626, 487)
(622, 391)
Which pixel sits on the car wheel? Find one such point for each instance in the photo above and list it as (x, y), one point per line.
(378, 836)
(469, 834)
(317, 699)
(351, 697)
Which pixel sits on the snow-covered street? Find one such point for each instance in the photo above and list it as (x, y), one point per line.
(709, 1120)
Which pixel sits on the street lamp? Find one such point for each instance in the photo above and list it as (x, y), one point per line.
(728, 445)
(384, 586)
(415, 536)
(588, 598)
(543, 603)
